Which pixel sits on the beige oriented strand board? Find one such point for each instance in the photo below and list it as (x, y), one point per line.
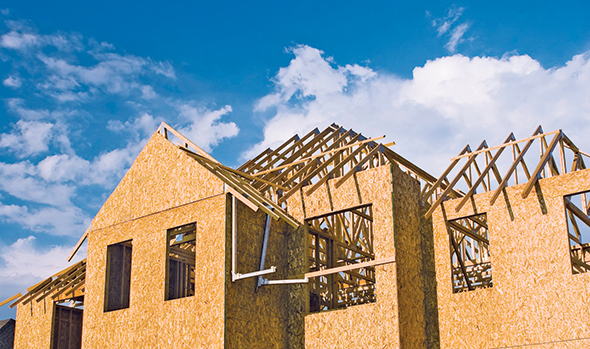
(161, 177)
(195, 322)
(375, 325)
(535, 300)
(33, 325)
(257, 318)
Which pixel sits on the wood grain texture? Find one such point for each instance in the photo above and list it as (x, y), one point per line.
(535, 300)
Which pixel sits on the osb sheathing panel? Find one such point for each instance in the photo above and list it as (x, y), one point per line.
(195, 322)
(535, 300)
(161, 177)
(257, 318)
(33, 325)
(398, 307)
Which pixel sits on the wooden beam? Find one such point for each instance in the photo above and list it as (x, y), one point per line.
(79, 244)
(535, 175)
(577, 212)
(165, 126)
(509, 143)
(482, 175)
(453, 182)
(515, 163)
(317, 156)
(6, 301)
(468, 232)
(335, 270)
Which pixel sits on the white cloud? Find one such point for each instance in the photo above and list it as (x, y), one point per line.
(63, 221)
(204, 125)
(27, 138)
(12, 81)
(20, 180)
(456, 37)
(449, 102)
(443, 27)
(18, 41)
(24, 259)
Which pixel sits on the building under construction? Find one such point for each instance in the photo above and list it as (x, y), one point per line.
(331, 240)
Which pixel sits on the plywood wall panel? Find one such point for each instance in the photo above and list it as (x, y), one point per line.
(258, 318)
(399, 287)
(535, 300)
(161, 177)
(150, 321)
(33, 325)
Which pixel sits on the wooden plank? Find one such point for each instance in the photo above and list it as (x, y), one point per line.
(79, 244)
(453, 182)
(239, 173)
(535, 175)
(200, 151)
(354, 169)
(482, 175)
(318, 155)
(337, 167)
(468, 232)
(577, 212)
(509, 143)
(448, 170)
(335, 270)
(6, 301)
(512, 168)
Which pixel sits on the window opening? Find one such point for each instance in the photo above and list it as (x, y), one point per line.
(337, 239)
(118, 276)
(578, 228)
(180, 276)
(67, 327)
(471, 267)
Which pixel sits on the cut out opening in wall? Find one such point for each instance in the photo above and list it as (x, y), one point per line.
(180, 271)
(471, 266)
(118, 276)
(578, 229)
(337, 239)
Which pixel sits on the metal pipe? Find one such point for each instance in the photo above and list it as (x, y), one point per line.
(266, 282)
(264, 244)
(234, 247)
(234, 242)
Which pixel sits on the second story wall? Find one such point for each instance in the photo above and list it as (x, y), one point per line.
(535, 301)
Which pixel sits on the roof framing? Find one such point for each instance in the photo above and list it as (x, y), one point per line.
(310, 161)
(482, 173)
(66, 284)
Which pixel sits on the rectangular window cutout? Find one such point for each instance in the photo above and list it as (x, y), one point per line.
(180, 275)
(578, 228)
(337, 239)
(469, 240)
(118, 276)
(67, 328)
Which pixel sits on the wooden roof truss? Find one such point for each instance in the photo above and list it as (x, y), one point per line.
(336, 239)
(577, 210)
(310, 161)
(67, 284)
(481, 169)
(470, 253)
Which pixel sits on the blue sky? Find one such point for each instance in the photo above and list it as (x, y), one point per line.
(85, 84)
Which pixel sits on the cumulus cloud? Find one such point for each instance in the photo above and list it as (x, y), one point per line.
(25, 262)
(449, 102)
(62, 221)
(27, 137)
(204, 125)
